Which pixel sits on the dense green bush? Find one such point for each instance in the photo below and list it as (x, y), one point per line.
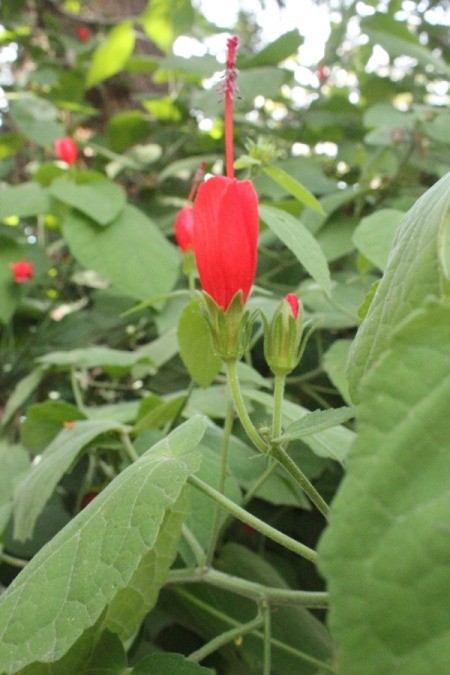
(152, 533)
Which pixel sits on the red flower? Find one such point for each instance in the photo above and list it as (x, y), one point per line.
(83, 33)
(226, 237)
(66, 149)
(184, 227)
(322, 73)
(22, 271)
(292, 299)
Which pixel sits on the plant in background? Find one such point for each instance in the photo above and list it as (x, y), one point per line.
(222, 485)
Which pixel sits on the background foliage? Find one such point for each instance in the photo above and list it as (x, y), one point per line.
(100, 350)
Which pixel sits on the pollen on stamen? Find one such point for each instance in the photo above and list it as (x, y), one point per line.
(228, 87)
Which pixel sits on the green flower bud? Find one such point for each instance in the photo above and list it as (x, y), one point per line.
(283, 336)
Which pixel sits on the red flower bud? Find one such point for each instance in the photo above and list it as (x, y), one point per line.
(83, 33)
(66, 149)
(184, 228)
(22, 271)
(322, 73)
(292, 299)
(226, 237)
(87, 499)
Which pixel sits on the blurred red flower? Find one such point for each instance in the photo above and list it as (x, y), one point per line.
(22, 271)
(66, 149)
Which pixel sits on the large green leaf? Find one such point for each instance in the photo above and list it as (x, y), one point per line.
(300, 241)
(38, 484)
(44, 421)
(92, 357)
(291, 185)
(397, 40)
(131, 252)
(196, 345)
(164, 20)
(104, 550)
(279, 50)
(36, 118)
(22, 391)
(27, 199)
(101, 200)
(385, 554)
(112, 55)
(14, 461)
(416, 269)
(375, 234)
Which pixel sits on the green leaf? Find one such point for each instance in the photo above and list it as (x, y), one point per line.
(28, 199)
(93, 357)
(164, 20)
(416, 270)
(127, 128)
(10, 292)
(14, 461)
(125, 538)
(112, 55)
(384, 554)
(38, 484)
(334, 363)
(23, 390)
(44, 421)
(301, 242)
(288, 183)
(134, 254)
(196, 345)
(395, 38)
(160, 414)
(332, 443)
(317, 421)
(108, 657)
(36, 118)
(100, 200)
(375, 234)
(165, 663)
(279, 50)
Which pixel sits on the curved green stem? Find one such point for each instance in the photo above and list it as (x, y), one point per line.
(129, 447)
(265, 609)
(277, 404)
(76, 389)
(221, 640)
(259, 482)
(193, 544)
(288, 463)
(221, 487)
(13, 561)
(241, 410)
(249, 589)
(212, 611)
(259, 525)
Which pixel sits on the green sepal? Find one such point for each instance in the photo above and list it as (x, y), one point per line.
(189, 265)
(230, 328)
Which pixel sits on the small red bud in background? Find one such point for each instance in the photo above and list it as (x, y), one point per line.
(292, 299)
(88, 497)
(184, 228)
(83, 33)
(322, 73)
(22, 271)
(66, 149)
